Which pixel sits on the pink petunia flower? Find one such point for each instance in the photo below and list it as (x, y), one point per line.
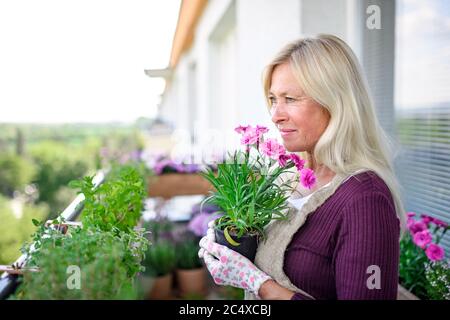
(435, 252)
(422, 238)
(272, 149)
(417, 226)
(307, 178)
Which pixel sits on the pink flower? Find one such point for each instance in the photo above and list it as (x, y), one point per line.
(299, 162)
(307, 178)
(410, 222)
(422, 238)
(439, 222)
(411, 214)
(282, 159)
(261, 130)
(426, 219)
(250, 136)
(417, 226)
(272, 149)
(434, 252)
(241, 129)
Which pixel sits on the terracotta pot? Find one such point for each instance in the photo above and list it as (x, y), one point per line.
(162, 288)
(247, 244)
(191, 282)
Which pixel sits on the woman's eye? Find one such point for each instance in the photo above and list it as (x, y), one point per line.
(272, 100)
(289, 99)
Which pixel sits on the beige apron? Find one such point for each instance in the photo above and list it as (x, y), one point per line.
(270, 253)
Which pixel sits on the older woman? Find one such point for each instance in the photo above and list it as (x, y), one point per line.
(341, 238)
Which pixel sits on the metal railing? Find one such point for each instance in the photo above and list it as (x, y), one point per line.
(9, 282)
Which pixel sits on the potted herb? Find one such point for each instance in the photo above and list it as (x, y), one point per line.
(190, 271)
(108, 249)
(251, 189)
(159, 262)
(98, 257)
(116, 204)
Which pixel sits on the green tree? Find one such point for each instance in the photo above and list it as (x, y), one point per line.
(15, 173)
(57, 165)
(16, 230)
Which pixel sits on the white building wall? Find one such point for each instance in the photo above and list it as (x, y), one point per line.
(233, 42)
(324, 16)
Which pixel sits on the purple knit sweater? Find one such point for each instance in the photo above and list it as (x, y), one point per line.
(355, 228)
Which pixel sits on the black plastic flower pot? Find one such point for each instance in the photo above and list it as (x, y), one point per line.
(245, 245)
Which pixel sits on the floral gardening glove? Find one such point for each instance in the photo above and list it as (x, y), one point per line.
(211, 237)
(227, 267)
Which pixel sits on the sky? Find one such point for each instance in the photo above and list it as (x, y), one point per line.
(84, 60)
(422, 53)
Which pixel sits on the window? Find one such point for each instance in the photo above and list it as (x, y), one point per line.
(422, 105)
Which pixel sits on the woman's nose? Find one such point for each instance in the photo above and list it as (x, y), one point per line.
(278, 114)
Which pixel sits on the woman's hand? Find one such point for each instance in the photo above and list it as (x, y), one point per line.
(227, 267)
(210, 236)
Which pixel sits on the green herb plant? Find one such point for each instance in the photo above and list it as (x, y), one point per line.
(100, 259)
(109, 248)
(187, 255)
(115, 206)
(160, 259)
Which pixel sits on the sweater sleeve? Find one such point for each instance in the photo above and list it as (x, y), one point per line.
(299, 296)
(366, 255)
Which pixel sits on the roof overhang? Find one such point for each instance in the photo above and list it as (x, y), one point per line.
(159, 73)
(189, 15)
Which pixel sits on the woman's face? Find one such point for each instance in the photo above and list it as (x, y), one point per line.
(300, 120)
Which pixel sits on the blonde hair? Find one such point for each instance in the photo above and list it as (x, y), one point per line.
(328, 72)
